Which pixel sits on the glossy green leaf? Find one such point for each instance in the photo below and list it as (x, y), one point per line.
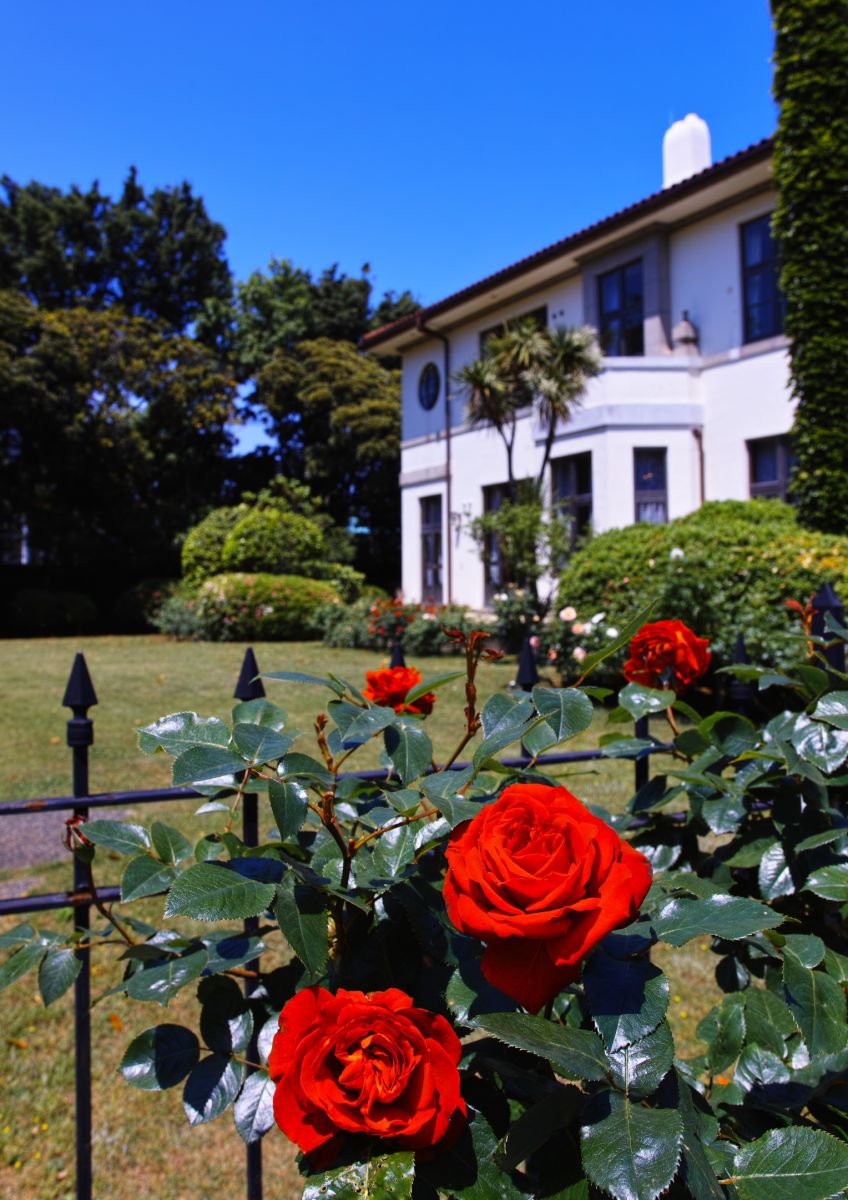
(231, 948)
(628, 998)
(300, 677)
(792, 1164)
(207, 765)
(768, 1020)
(393, 851)
(170, 845)
(410, 750)
(209, 892)
(697, 1171)
(384, 1177)
(58, 970)
(632, 1152)
(831, 883)
(160, 1058)
(145, 876)
(160, 979)
(639, 1067)
(640, 701)
(833, 708)
(289, 804)
(724, 1032)
(731, 917)
(118, 835)
(818, 1005)
(567, 711)
(295, 764)
(456, 809)
(260, 712)
(774, 874)
(504, 721)
(261, 743)
(370, 722)
(211, 1088)
(574, 1053)
(302, 916)
(180, 731)
(254, 1107)
(822, 745)
(20, 962)
(226, 1021)
(18, 936)
(432, 684)
(807, 947)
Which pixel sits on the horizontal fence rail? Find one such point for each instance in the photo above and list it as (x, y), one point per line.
(80, 697)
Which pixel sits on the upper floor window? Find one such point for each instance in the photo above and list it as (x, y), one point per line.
(761, 296)
(539, 317)
(650, 489)
(770, 462)
(621, 310)
(571, 489)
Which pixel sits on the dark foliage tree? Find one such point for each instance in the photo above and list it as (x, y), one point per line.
(337, 416)
(113, 436)
(157, 255)
(811, 224)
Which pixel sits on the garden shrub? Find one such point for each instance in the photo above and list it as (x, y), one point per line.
(202, 553)
(240, 607)
(374, 623)
(725, 569)
(269, 539)
(348, 582)
(177, 616)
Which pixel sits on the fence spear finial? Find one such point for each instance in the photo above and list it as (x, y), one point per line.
(249, 686)
(79, 692)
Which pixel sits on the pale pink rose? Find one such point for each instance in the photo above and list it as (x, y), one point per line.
(534, 642)
(579, 653)
(578, 628)
(568, 613)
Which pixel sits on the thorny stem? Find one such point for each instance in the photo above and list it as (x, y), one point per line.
(669, 716)
(386, 828)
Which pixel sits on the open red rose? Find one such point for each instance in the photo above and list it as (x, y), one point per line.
(370, 1064)
(667, 654)
(540, 880)
(389, 688)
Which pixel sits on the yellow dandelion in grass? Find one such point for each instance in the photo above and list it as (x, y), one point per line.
(7, 1128)
(684, 1014)
(676, 999)
(44, 1126)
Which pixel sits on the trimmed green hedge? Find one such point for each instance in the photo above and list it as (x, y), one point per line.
(268, 539)
(725, 569)
(240, 607)
(202, 553)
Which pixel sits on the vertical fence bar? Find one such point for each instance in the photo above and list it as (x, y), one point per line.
(79, 697)
(249, 687)
(642, 766)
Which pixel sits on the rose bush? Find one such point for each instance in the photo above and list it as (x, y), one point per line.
(541, 881)
(371, 1064)
(364, 954)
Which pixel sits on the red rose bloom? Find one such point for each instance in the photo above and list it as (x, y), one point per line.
(368, 1064)
(540, 880)
(390, 686)
(667, 654)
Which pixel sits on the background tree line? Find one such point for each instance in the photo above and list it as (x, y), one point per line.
(126, 351)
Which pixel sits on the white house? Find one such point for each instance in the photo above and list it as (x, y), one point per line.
(692, 404)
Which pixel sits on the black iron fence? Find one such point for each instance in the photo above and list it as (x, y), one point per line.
(80, 697)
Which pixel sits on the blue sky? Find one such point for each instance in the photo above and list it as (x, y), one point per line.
(436, 142)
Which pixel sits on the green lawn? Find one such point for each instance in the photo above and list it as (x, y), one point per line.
(138, 1137)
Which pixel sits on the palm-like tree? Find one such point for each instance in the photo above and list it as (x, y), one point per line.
(560, 376)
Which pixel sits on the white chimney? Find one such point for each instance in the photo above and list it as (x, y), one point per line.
(686, 149)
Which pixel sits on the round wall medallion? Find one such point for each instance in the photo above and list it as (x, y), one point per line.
(428, 387)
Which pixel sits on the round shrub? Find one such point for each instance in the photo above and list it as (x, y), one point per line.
(725, 569)
(177, 617)
(204, 544)
(239, 607)
(268, 539)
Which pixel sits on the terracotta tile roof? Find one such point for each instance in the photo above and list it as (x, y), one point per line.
(727, 166)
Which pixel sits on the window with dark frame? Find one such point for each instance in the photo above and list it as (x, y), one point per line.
(493, 579)
(650, 488)
(431, 549)
(763, 302)
(621, 310)
(770, 463)
(571, 492)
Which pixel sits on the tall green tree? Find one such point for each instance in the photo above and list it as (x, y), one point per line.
(811, 225)
(114, 435)
(337, 416)
(156, 255)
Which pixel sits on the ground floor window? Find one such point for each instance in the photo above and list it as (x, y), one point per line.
(431, 549)
(650, 488)
(493, 575)
(571, 492)
(770, 463)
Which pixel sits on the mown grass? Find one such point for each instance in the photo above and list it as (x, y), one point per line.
(142, 1143)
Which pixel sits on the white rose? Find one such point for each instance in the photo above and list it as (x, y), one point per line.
(612, 632)
(676, 552)
(598, 617)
